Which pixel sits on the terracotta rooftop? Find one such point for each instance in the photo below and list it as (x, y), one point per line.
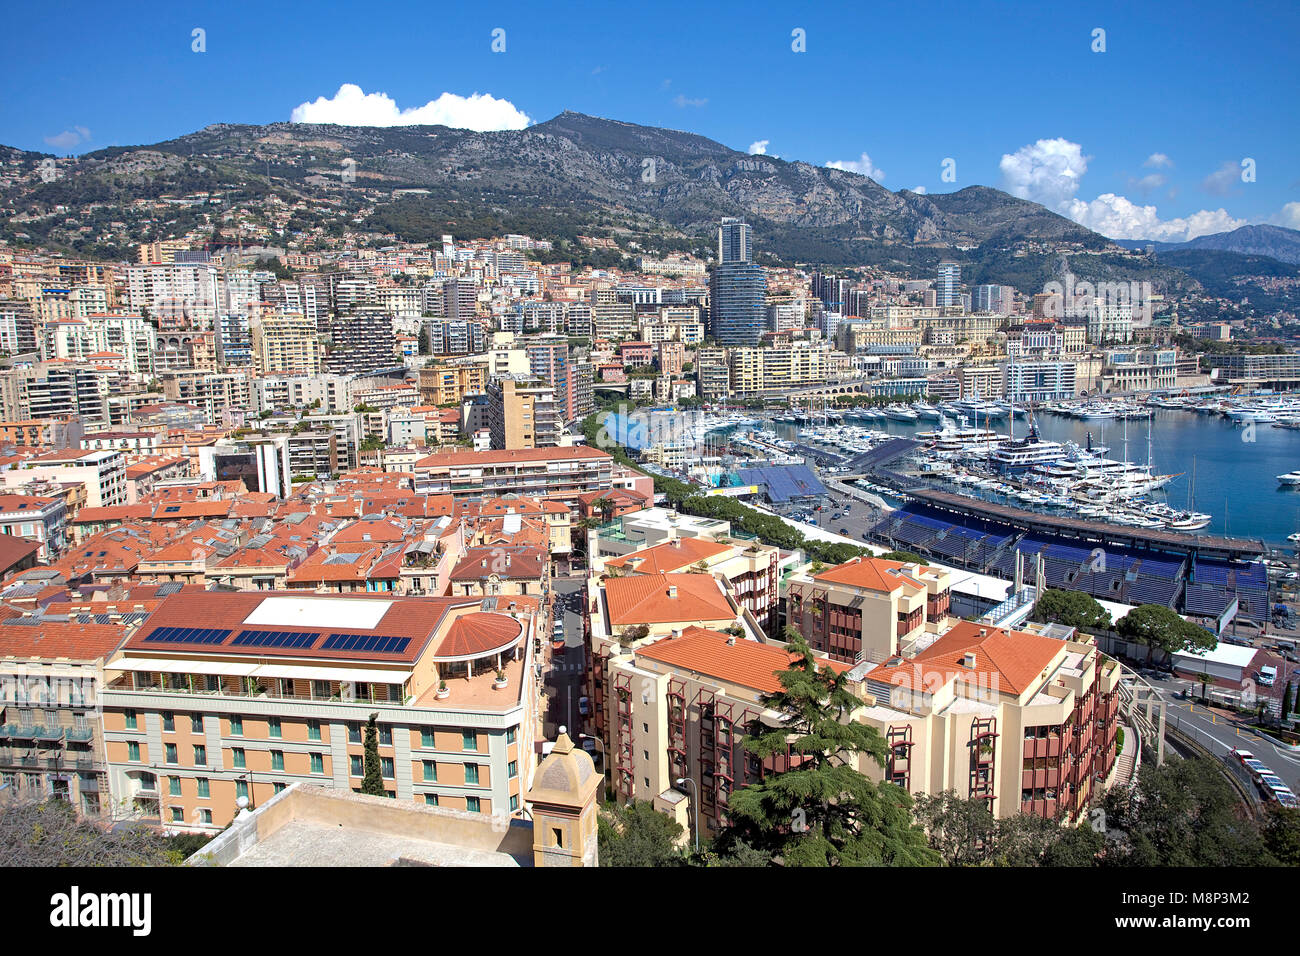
(708, 653)
(1008, 660)
(872, 574)
(675, 555)
(665, 599)
(53, 641)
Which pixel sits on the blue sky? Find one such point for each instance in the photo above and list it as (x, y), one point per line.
(1143, 140)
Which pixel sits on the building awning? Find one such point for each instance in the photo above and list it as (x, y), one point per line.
(171, 665)
(354, 674)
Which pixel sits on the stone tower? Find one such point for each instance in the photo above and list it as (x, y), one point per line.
(563, 799)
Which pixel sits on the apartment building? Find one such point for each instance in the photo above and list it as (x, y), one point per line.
(449, 384)
(523, 413)
(43, 520)
(868, 609)
(225, 696)
(755, 370)
(51, 737)
(285, 343)
(1023, 720)
(562, 473)
(102, 471)
(748, 570)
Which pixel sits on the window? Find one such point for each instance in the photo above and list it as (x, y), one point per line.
(358, 767)
(512, 769)
(174, 786)
(313, 730)
(200, 755)
(205, 816)
(385, 735)
(237, 758)
(426, 737)
(468, 740)
(279, 786)
(178, 815)
(510, 735)
(203, 788)
(514, 802)
(472, 804)
(169, 720)
(471, 773)
(430, 799)
(170, 752)
(430, 771)
(196, 723)
(386, 767)
(132, 750)
(241, 788)
(354, 733)
(317, 763)
(129, 717)
(277, 759)
(273, 727)
(320, 689)
(236, 726)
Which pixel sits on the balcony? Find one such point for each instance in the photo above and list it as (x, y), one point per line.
(49, 733)
(1038, 779)
(80, 734)
(1042, 747)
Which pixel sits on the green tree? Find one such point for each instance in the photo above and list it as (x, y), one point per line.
(1157, 626)
(1183, 813)
(961, 830)
(1288, 701)
(637, 834)
(1071, 608)
(1282, 835)
(373, 782)
(823, 811)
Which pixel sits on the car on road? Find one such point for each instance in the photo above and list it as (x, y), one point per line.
(845, 531)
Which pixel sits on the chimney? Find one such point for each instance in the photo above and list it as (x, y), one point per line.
(507, 559)
(984, 632)
(672, 590)
(731, 640)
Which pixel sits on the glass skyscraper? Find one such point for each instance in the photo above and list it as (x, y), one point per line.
(737, 289)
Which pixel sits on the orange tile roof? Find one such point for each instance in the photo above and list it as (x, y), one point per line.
(675, 555)
(873, 574)
(1009, 660)
(51, 641)
(746, 663)
(645, 599)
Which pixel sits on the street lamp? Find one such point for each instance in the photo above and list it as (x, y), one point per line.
(695, 803)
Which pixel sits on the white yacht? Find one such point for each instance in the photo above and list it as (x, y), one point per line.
(1290, 478)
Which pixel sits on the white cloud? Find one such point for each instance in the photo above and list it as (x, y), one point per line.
(1046, 172)
(350, 106)
(683, 101)
(68, 138)
(1289, 216)
(1119, 218)
(919, 190)
(1221, 181)
(861, 165)
(1148, 183)
(1050, 172)
(759, 147)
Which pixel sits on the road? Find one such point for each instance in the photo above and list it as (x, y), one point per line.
(1213, 724)
(566, 669)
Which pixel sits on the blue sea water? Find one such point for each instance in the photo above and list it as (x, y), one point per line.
(1236, 470)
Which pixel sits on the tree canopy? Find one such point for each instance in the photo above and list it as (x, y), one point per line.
(823, 811)
(1071, 608)
(636, 834)
(1157, 626)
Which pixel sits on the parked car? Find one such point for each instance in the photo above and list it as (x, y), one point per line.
(844, 531)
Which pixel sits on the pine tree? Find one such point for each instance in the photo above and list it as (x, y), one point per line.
(373, 782)
(823, 811)
(1288, 701)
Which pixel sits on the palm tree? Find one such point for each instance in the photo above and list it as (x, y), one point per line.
(1204, 679)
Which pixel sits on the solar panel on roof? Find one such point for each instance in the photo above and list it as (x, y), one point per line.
(187, 635)
(275, 639)
(377, 643)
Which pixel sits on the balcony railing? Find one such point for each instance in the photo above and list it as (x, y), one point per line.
(268, 692)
